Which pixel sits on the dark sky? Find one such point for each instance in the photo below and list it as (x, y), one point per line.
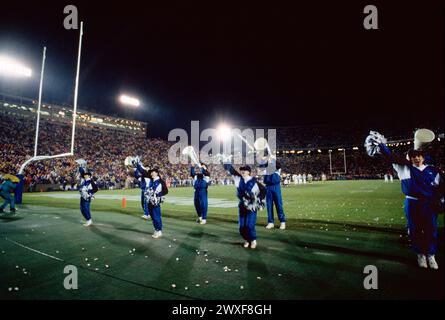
(260, 64)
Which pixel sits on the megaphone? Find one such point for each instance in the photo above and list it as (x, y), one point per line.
(190, 152)
(261, 144)
(422, 137)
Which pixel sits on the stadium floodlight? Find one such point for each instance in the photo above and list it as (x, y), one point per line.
(11, 67)
(130, 101)
(224, 132)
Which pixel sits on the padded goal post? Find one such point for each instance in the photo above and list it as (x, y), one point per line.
(20, 175)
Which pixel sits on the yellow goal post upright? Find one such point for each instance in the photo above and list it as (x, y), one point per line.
(19, 188)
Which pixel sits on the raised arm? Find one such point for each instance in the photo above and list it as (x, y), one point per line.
(388, 156)
(205, 172)
(230, 169)
(140, 170)
(375, 144)
(94, 187)
(235, 174)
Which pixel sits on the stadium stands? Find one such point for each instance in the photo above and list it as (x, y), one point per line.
(105, 149)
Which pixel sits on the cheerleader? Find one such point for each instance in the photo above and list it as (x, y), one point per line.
(87, 188)
(201, 181)
(250, 194)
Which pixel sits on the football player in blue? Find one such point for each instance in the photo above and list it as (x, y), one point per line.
(422, 186)
(201, 182)
(271, 172)
(250, 194)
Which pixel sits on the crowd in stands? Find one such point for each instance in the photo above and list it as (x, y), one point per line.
(105, 151)
(322, 136)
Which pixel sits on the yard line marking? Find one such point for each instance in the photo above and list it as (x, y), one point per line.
(323, 253)
(173, 200)
(34, 250)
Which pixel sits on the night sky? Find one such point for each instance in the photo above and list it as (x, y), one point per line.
(270, 64)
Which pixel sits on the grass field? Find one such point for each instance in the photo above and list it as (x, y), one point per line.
(334, 230)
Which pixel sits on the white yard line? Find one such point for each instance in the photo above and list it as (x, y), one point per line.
(322, 253)
(173, 200)
(33, 250)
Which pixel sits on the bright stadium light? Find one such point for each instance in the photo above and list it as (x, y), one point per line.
(130, 101)
(224, 132)
(11, 67)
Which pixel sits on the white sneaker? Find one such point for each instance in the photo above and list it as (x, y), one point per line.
(157, 234)
(203, 221)
(282, 225)
(88, 223)
(270, 226)
(421, 260)
(145, 217)
(432, 262)
(246, 244)
(253, 244)
(199, 220)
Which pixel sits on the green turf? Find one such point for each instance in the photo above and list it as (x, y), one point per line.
(334, 230)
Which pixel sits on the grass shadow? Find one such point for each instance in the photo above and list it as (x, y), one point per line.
(10, 218)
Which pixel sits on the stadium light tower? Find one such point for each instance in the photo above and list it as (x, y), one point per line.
(11, 67)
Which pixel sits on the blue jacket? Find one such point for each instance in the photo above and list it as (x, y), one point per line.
(272, 179)
(420, 183)
(7, 187)
(201, 180)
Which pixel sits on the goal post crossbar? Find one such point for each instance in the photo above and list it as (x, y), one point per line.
(37, 158)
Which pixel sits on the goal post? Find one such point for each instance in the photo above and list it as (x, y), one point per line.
(337, 172)
(40, 104)
(20, 175)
